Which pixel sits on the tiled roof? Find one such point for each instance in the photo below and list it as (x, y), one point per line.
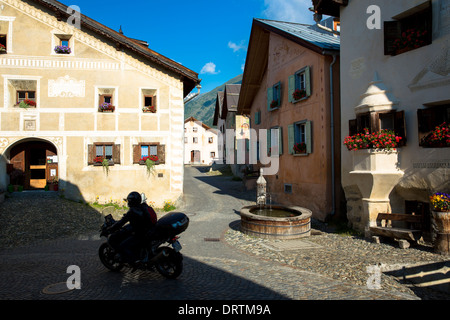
(311, 33)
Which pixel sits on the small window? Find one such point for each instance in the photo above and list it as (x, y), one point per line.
(195, 140)
(300, 85)
(434, 126)
(97, 152)
(185, 140)
(3, 43)
(26, 99)
(63, 45)
(149, 104)
(409, 31)
(194, 129)
(154, 151)
(299, 137)
(287, 188)
(376, 121)
(275, 140)
(274, 97)
(213, 154)
(210, 139)
(107, 99)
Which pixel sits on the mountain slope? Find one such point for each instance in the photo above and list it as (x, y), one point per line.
(202, 107)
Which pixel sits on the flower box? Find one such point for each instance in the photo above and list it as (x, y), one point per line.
(63, 50)
(299, 94)
(438, 138)
(2, 49)
(375, 160)
(300, 148)
(150, 109)
(106, 107)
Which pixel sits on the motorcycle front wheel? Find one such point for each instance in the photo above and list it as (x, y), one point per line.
(170, 266)
(107, 257)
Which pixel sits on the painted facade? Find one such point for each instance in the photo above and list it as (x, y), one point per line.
(200, 142)
(64, 130)
(279, 62)
(388, 85)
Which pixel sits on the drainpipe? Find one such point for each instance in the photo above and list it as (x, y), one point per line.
(333, 192)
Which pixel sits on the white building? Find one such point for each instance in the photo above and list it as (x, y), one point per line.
(395, 74)
(200, 142)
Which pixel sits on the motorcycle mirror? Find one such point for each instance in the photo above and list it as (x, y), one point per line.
(143, 198)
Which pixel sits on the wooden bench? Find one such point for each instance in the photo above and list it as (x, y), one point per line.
(411, 232)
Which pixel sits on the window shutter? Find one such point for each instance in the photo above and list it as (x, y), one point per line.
(91, 154)
(400, 127)
(352, 127)
(291, 138)
(308, 137)
(392, 31)
(116, 153)
(269, 97)
(291, 88)
(269, 141)
(308, 83)
(136, 153)
(280, 140)
(279, 93)
(154, 101)
(258, 117)
(161, 153)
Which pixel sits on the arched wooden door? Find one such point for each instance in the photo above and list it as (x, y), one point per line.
(33, 164)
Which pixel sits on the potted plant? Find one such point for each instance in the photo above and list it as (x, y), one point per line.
(98, 161)
(2, 48)
(440, 211)
(150, 162)
(374, 150)
(438, 138)
(106, 107)
(274, 104)
(300, 148)
(409, 40)
(27, 103)
(53, 184)
(151, 109)
(63, 49)
(299, 94)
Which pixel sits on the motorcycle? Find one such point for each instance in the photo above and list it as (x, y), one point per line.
(154, 253)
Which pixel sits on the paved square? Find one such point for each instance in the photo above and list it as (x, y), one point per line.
(291, 245)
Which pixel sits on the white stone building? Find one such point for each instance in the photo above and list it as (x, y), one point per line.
(200, 142)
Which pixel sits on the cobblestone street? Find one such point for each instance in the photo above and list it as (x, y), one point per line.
(214, 268)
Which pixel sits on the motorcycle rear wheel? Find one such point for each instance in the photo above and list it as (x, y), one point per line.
(171, 266)
(107, 257)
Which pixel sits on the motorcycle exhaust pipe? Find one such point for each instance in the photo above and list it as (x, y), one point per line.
(160, 255)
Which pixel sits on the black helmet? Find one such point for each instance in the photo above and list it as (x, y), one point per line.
(134, 199)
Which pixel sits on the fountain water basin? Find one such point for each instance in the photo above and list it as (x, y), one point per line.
(276, 221)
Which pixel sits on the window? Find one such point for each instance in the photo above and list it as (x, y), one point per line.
(287, 188)
(148, 100)
(383, 120)
(107, 99)
(258, 117)
(213, 154)
(185, 140)
(148, 149)
(433, 122)
(275, 140)
(210, 139)
(194, 129)
(299, 137)
(104, 150)
(274, 97)
(195, 140)
(300, 85)
(409, 31)
(26, 99)
(3, 43)
(63, 44)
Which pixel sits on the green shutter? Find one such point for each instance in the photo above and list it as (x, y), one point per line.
(308, 137)
(280, 140)
(269, 141)
(291, 88)
(291, 138)
(308, 81)
(279, 93)
(269, 97)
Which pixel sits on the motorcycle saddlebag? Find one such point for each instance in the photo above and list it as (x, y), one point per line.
(172, 224)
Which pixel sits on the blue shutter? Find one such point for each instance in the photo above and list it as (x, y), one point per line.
(291, 138)
(291, 88)
(269, 98)
(308, 83)
(308, 137)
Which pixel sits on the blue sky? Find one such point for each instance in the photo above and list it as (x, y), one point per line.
(209, 37)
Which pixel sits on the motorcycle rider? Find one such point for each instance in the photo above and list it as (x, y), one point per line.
(128, 239)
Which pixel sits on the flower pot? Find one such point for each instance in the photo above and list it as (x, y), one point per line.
(53, 187)
(375, 160)
(441, 226)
